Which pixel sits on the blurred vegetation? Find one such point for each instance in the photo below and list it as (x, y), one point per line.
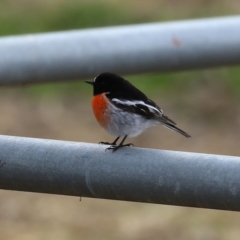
(24, 16)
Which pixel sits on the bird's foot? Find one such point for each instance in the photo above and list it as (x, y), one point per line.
(107, 143)
(114, 148)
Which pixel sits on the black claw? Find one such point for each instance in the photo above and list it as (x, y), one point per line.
(129, 144)
(114, 148)
(113, 143)
(105, 143)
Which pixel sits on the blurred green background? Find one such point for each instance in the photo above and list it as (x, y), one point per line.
(205, 103)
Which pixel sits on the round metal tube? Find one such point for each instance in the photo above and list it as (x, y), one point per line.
(130, 174)
(123, 49)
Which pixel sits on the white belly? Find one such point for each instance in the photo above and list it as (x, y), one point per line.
(124, 123)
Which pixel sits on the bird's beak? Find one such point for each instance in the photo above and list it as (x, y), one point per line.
(90, 82)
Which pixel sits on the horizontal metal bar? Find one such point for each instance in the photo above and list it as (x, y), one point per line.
(131, 174)
(123, 49)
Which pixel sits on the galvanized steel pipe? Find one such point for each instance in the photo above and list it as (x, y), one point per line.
(130, 174)
(121, 49)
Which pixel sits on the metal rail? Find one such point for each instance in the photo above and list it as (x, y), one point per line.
(131, 174)
(123, 49)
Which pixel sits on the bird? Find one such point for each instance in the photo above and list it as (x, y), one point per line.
(123, 110)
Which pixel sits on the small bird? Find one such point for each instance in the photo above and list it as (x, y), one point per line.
(123, 110)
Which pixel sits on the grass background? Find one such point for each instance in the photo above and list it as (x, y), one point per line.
(205, 103)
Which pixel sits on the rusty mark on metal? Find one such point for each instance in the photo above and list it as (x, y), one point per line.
(176, 41)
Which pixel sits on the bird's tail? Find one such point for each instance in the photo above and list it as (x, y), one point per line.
(167, 122)
(174, 128)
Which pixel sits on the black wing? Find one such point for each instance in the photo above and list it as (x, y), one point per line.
(147, 109)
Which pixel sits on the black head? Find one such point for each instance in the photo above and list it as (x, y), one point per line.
(115, 86)
(108, 83)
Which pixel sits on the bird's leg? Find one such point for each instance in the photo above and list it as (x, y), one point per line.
(115, 148)
(113, 143)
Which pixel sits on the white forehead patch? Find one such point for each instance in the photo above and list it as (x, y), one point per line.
(96, 77)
